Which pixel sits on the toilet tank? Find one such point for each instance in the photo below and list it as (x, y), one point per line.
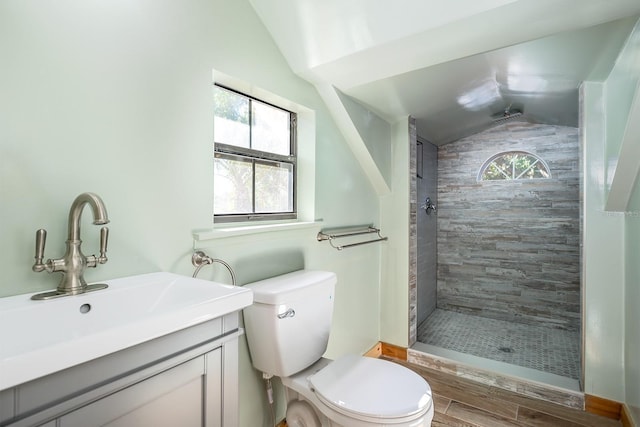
(288, 324)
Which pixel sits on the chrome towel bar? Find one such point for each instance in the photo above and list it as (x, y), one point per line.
(331, 234)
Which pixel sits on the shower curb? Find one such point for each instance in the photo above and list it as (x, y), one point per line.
(569, 398)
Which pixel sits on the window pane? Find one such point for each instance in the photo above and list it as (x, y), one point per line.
(271, 129)
(274, 187)
(514, 165)
(232, 185)
(539, 171)
(492, 173)
(231, 118)
(522, 165)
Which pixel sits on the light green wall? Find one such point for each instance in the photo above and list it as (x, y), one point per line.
(395, 209)
(625, 78)
(352, 121)
(632, 314)
(620, 90)
(612, 279)
(603, 248)
(374, 131)
(114, 97)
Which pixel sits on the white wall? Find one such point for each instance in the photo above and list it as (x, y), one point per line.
(115, 98)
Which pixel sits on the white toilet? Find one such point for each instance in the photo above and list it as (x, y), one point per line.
(288, 329)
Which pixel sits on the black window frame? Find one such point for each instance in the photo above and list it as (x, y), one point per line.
(253, 156)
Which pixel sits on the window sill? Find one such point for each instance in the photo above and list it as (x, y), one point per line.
(233, 231)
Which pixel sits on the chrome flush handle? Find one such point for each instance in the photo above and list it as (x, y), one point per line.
(289, 313)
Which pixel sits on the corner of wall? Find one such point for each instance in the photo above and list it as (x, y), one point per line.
(369, 148)
(395, 211)
(622, 107)
(603, 246)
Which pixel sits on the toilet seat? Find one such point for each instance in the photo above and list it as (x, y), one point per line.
(372, 390)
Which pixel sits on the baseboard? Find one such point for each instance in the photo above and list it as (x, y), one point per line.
(375, 352)
(625, 417)
(394, 351)
(603, 407)
(387, 350)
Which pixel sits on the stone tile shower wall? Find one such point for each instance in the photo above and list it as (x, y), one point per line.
(427, 186)
(510, 249)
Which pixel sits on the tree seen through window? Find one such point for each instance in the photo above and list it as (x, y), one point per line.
(514, 165)
(254, 158)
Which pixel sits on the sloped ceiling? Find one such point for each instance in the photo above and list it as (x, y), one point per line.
(453, 65)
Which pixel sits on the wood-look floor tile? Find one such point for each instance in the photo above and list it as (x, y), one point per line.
(482, 405)
(471, 393)
(477, 417)
(444, 420)
(530, 418)
(577, 416)
(478, 399)
(440, 403)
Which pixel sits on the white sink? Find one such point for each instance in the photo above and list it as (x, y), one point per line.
(41, 337)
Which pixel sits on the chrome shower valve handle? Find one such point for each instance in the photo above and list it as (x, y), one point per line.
(428, 206)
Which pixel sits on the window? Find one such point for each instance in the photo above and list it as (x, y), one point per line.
(254, 159)
(513, 165)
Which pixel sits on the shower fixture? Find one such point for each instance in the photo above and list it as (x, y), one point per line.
(507, 114)
(428, 206)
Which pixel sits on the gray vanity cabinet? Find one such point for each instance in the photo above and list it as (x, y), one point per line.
(172, 398)
(188, 378)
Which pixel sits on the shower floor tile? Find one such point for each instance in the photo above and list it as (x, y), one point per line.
(550, 350)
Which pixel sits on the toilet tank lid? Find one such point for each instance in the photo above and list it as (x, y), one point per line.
(277, 290)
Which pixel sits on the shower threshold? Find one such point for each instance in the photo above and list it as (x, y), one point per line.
(519, 379)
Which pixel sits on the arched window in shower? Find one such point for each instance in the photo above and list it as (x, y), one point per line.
(512, 165)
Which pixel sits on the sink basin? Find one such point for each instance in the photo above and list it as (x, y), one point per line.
(41, 337)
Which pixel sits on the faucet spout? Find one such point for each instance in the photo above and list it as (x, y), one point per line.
(73, 263)
(99, 213)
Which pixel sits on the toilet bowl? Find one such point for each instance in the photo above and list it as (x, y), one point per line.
(356, 391)
(288, 330)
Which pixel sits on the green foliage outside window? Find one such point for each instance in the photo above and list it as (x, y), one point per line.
(254, 159)
(230, 105)
(514, 165)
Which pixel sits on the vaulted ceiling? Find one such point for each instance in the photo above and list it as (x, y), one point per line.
(457, 65)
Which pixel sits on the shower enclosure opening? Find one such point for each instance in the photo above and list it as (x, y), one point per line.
(498, 259)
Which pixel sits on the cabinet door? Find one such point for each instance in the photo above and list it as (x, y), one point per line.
(172, 398)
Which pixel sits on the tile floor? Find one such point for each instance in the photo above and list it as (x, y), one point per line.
(461, 402)
(550, 350)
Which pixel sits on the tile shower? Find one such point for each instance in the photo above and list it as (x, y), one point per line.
(498, 266)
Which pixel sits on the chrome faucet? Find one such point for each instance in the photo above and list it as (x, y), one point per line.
(428, 206)
(73, 263)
